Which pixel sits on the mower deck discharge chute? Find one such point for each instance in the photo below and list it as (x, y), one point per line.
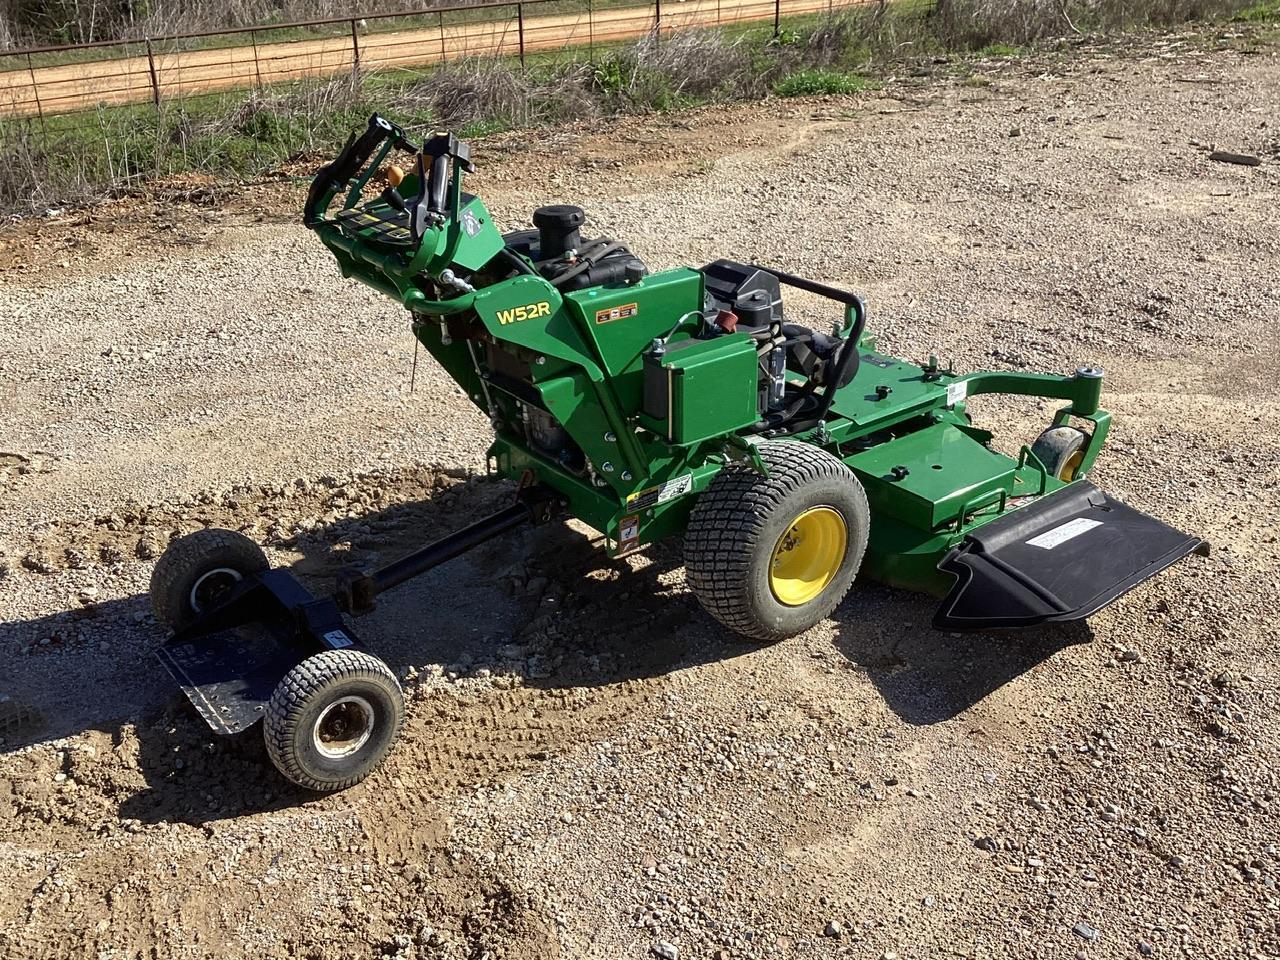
(648, 405)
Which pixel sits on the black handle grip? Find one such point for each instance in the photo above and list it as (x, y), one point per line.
(813, 286)
(438, 185)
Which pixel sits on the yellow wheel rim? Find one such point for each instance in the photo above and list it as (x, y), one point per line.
(807, 556)
(1068, 471)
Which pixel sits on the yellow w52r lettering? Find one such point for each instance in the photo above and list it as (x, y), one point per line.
(528, 312)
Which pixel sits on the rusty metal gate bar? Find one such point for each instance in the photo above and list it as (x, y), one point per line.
(93, 83)
(520, 15)
(257, 68)
(151, 67)
(35, 92)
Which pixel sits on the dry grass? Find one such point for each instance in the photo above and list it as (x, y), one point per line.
(96, 154)
(658, 72)
(973, 24)
(494, 93)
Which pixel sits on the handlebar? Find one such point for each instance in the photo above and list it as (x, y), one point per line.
(336, 174)
(432, 202)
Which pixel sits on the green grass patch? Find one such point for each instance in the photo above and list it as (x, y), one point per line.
(1266, 11)
(812, 83)
(999, 50)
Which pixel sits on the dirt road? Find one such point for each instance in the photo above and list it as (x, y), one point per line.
(83, 86)
(591, 768)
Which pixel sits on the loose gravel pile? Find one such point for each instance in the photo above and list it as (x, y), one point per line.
(591, 767)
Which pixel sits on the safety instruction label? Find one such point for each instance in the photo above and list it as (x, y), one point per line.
(956, 392)
(652, 496)
(617, 313)
(337, 639)
(1064, 532)
(628, 534)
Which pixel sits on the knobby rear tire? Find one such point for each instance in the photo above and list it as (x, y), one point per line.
(737, 522)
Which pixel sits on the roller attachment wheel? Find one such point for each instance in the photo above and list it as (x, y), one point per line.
(332, 719)
(1061, 450)
(771, 557)
(199, 571)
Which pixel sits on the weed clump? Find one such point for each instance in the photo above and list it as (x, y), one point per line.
(811, 83)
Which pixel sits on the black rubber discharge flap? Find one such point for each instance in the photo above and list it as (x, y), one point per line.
(1064, 557)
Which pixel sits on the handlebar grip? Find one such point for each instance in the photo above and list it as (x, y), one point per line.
(438, 185)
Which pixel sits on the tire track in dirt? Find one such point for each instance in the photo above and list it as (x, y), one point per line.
(116, 808)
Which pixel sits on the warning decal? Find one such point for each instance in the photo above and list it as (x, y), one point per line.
(617, 313)
(1063, 532)
(653, 496)
(337, 639)
(628, 534)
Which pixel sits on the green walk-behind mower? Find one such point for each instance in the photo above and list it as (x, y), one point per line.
(652, 405)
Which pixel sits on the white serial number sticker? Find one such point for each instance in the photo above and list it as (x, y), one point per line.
(956, 392)
(1067, 531)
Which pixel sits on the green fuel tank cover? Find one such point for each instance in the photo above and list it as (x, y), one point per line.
(699, 389)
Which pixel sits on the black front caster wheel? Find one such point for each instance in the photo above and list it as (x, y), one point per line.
(332, 719)
(197, 572)
(1061, 450)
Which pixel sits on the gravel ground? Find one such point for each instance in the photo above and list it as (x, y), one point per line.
(591, 767)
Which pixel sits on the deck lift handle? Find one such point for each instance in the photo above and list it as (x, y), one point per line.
(432, 203)
(336, 174)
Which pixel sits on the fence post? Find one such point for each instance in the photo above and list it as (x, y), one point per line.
(591, 31)
(777, 17)
(520, 15)
(151, 66)
(355, 48)
(657, 21)
(444, 53)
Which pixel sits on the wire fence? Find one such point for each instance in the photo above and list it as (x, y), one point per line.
(41, 82)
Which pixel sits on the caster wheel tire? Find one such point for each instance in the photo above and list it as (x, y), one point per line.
(199, 571)
(332, 719)
(771, 557)
(1061, 450)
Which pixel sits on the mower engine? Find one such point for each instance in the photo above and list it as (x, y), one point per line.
(746, 298)
(560, 253)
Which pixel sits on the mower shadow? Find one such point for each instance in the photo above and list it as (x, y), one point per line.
(928, 676)
(95, 673)
(544, 605)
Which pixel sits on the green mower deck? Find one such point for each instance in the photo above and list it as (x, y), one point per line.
(650, 405)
